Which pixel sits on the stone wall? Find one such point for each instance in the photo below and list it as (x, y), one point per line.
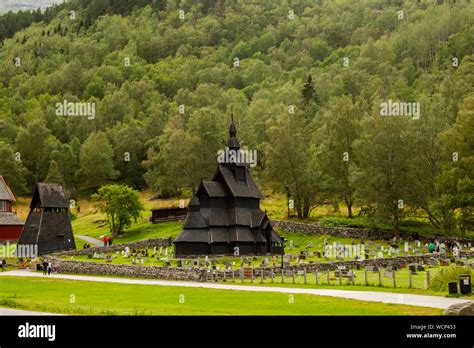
(153, 272)
(349, 232)
(147, 243)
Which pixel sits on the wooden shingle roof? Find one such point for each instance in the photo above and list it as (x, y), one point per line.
(214, 189)
(49, 196)
(247, 189)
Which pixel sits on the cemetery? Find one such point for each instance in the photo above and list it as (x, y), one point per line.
(381, 263)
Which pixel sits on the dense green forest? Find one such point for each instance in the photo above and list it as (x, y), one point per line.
(304, 79)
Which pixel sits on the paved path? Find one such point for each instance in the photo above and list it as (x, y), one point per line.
(8, 311)
(91, 240)
(372, 296)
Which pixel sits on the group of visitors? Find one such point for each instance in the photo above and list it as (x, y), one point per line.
(86, 246)
(47, 267)
(441, 247)
(107, 240)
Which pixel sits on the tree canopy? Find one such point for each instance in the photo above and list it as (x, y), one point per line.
(305, 81)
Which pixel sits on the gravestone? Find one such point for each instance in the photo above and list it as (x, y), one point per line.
(380, 255)
(342, 270)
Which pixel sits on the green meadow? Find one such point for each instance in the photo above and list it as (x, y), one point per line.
(86, 298)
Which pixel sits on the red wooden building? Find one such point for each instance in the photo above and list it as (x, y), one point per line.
(10, 224)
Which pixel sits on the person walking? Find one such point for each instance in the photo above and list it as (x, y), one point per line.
(106, 240)
(431, 247)
(4, 265)
(45, 267)
(50, 266)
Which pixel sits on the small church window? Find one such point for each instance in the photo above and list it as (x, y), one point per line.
(3, 206)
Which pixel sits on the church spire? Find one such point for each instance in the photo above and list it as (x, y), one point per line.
(233, 143)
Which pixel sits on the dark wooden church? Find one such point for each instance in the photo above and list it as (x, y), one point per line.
(224, 216)
(48, 225)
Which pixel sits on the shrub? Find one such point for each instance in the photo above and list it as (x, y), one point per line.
(444, 276)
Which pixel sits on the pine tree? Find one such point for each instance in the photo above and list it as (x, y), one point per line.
(54, 175)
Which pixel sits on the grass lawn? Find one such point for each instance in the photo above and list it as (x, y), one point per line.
(79, 243)
(90, 225)
(54, 295)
